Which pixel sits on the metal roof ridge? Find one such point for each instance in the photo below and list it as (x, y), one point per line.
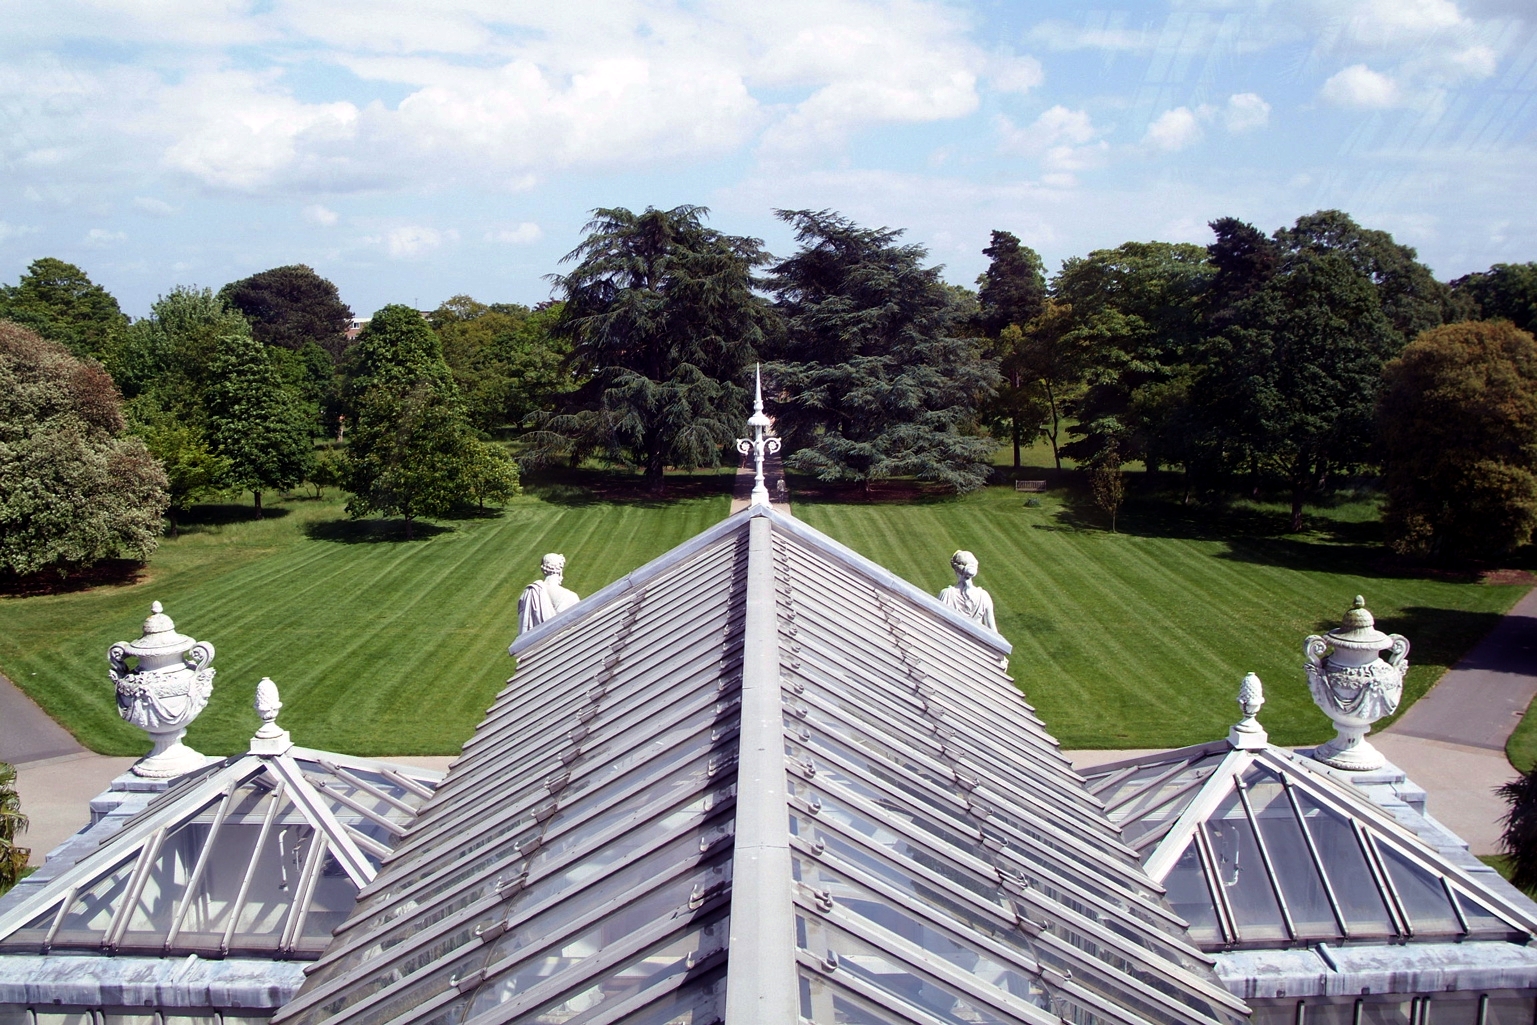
(883, 577)
(585, 608)
(761, 985)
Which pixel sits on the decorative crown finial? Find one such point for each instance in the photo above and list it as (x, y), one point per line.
(758, 445)
(270, 738)
(1248, 734)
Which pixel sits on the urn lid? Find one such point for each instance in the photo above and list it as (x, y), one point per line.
(160, 635)
(1358, 630)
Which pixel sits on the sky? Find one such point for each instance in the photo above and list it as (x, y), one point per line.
(411, 150)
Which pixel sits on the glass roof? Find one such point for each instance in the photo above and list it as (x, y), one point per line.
(942, 862)
(256, 855)
(1261, 849)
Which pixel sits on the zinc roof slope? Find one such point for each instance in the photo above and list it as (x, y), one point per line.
(761, 778)
(1266, 849)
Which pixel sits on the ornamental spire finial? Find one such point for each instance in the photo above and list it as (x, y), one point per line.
(270, 738)
(1249, 735)
(759, 445)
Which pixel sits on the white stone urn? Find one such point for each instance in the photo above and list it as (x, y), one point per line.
(1354, 685)
(163, 692)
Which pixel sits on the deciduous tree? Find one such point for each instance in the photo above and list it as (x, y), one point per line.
(874, 381)
(13, 856)
(59, 302)
(1506, 290)
(290, 306)
(1458, 423)
(257, 422)
(74, 489)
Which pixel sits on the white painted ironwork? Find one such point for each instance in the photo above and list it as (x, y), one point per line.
(760, 445)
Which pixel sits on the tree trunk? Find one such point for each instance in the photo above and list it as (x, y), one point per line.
(258, 496)
(1015, 425)
(656, 475)
(408, 527)
(1299, 489)
(1051, 397)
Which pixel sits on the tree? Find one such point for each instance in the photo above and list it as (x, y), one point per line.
(490, 475)
(255, 422)
(1519, 839)
(1242, 260)
(1289, 388)
(1012, 293)
(1408, 294)
(328, 470)
(290, 306)
(192, 472)
(13, 857)
(73, 488)
(507, 361)
(1108, 483)
(874, 381)
(1506, 290)
(664, 324)
(1133, 319)
(59, 302)
(1051, 354)
(407, 447)
(1458, 423)
(1013, 288)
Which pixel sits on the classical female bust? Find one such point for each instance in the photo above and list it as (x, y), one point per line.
(966, 597)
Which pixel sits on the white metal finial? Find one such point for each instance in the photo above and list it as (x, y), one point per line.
(758, 445)
(1248, 734)
(270, 738)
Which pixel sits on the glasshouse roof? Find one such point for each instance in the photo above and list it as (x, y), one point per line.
(258, 855)
(757, 780)
(1265, 848)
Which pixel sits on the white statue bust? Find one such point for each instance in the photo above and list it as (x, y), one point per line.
(545, 599)
(966, 597)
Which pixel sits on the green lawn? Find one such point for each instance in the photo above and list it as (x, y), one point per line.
(378, 646)
(1139, 639)
(382, 646)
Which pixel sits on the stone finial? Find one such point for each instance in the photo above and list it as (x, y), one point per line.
(759, 445)
(1354, 686)
(1248, 734)
(167, 687)
(270, 738)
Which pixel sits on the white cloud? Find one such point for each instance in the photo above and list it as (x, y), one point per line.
(1245, 112)
(9, 231)
(1391, 22)
(101, 238)
(1360, 86)
(522, 235)
(413, 240)
(1055, 126)
(154, 207)
(1063, 35)
(320, 215)
(1015, 74)
(1174, 130)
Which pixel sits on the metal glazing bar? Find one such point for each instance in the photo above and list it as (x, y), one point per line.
(1152, 836)
(1213, 876)
(1386, 890)
(366, 843)
(382, 821)
(130, 899)
(639, 1001)
(189, 895)
(1264, 856)
(304, 892)
(367, 787)
(816, 967)
(1152, 784)
(58, 919)
(1358, 1015)
(762, 920)
(1318, 862)
(1451, 895)
(416, 786)
(304, 797)
(279, 794)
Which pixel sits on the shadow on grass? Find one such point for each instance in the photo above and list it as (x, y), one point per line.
(221, 514)
(107, 573)
(362, 532)
(582, 487)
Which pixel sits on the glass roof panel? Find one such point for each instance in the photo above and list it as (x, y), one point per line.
(1190, 896)
(1306, 900)
(1344, 863)
(1245, 879)
(1423, 895)
(826, 1003)
(85, 923)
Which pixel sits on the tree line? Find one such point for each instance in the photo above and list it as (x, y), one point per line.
(1257, 362)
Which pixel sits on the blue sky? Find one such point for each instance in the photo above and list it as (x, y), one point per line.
(410, 151)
